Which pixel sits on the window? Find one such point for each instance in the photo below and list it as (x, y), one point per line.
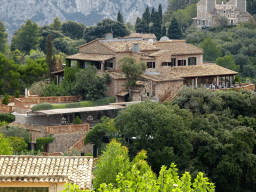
(191, 61)
(166, 64)
(173, 62)
(224, 11)
(148, 94)
(108, 65)
(181, 62)
(151, 64)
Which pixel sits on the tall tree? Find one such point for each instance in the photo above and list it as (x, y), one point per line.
(120, 17)
(142, 27)
(157, 26)
(152, 15)
(211, 51)
(146, 15)
(160, 12)
(27, 37)
(174, 31)
(3, 37)
(56, 24)
(50, 56)
(132, 70)
(73, 29)
(164, 31)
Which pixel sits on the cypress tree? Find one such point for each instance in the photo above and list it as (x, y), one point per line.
(174, 31)
(160, 12)
(157, 26)
(164, 31)
(50, 59)
(152, 15)
(146, 15)
(120, 17)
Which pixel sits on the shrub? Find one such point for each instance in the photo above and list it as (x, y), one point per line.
(73, 105)
(42, 106)
(17, 94)
(42, 141)
(77, 120)
(88, 154)
(15, 131)
(8, 117)
(5, 100)
(18, 144)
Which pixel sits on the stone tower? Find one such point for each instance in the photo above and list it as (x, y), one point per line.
(241, 5)
(210, 4)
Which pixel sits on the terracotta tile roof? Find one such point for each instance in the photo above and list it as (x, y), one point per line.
(159, 53)
(35, 169)
(147, 58)
(90, 57)
(161, 77)
(122, 46)
(245, 14)
(178, 47)
(199, 71)
(142, 35)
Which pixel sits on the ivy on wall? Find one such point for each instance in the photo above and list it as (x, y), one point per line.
(41, 142)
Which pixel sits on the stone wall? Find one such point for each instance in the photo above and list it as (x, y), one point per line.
(162, 87)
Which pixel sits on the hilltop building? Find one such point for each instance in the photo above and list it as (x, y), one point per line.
(172, 64)
(208, 11)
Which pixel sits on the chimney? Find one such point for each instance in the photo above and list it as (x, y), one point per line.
(108, 36)
(136, 48)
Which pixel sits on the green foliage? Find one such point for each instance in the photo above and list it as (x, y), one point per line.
(16, 131)
(41, 106)
(106, 129)
(50, 60)
(33, 70)
(18, 144)
(5, 146)
(132, 70)
(222, 21)
(103, 27)
(9, 74)
(146, 15)
(73, 29)
(17, 94)
(78, 120)
(41, 142)
(88, 84)
(228, 62)
(5, 100)
(120, 17)
(114, 172)
(3, 38)
(88, 154)
(174, 31)
(26, 38)
(8, 117)
(211, 51)
(3, 123)
(56, 25)
(158, 129)
(164, 31)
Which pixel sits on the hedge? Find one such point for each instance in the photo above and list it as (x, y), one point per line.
(8, 117)
(41, 106)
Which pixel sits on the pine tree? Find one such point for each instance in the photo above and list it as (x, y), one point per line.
(50, 59)
(174, 31)
(146, 15)
(120, 17)
(56, 24)
(164, 31)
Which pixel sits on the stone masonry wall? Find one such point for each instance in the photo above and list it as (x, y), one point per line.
(162, 87)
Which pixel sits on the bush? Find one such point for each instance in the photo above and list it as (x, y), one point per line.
(15, 131)
(73, 105)
(5, 100)
(88, 154)
(77, 120)
(41, 142)
(17, 94)
(18, 144)
(8, 117)
(42, 106)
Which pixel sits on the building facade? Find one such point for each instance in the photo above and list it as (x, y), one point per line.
(208, 12)
(171, 65)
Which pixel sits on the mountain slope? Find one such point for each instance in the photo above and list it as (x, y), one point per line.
(14, 13)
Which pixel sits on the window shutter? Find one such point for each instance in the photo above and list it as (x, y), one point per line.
(189, 61)
(194, 60)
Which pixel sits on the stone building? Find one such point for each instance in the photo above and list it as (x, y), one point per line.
(171, 65)
(44, 174)
(208, 12)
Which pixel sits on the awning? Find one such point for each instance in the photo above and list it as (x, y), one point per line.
(122, 94)
(90, 57)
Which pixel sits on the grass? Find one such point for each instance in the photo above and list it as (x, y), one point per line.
(98, 102)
